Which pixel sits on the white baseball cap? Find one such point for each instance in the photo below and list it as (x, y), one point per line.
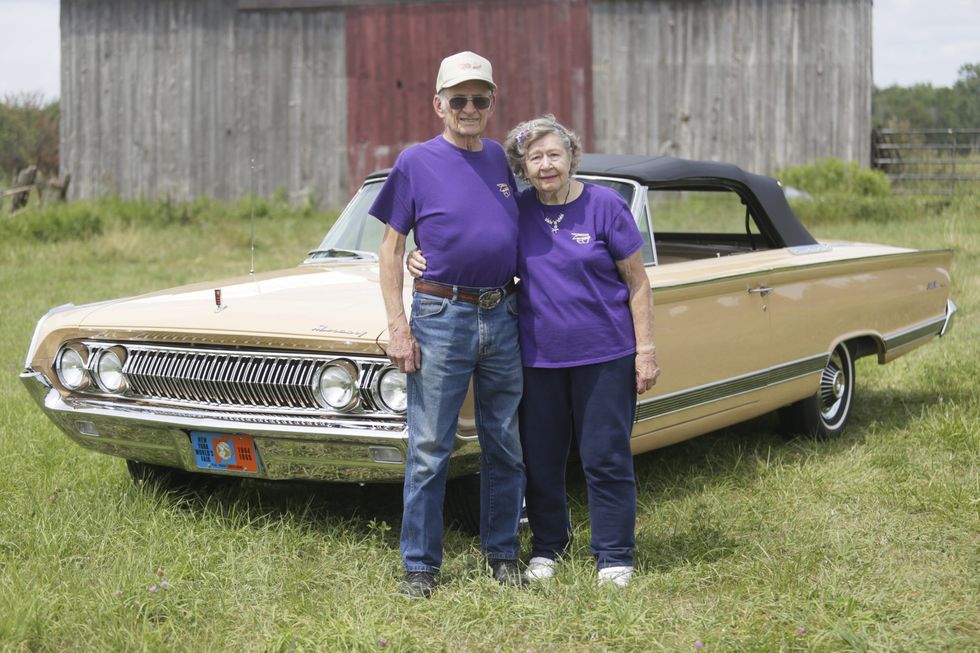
(463, 67)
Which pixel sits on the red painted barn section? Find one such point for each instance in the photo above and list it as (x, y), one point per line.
(542, 63)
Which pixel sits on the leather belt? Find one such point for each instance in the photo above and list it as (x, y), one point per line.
(487, 299)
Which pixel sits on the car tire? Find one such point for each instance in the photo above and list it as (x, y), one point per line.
(826, 413)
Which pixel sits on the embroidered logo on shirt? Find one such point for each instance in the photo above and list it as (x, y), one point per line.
(505, 189)
(581, 239)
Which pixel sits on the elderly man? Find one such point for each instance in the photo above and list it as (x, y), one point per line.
(457, 192)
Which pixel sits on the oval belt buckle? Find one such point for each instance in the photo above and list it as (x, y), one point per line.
(491, 298)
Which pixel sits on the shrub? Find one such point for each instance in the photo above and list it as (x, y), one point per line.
(76, 221)
(833, 176)
(839, 207)
(83, 219)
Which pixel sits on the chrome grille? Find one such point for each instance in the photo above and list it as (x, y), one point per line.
(237, 379)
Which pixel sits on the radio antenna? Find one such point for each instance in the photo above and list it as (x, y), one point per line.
(251, 225)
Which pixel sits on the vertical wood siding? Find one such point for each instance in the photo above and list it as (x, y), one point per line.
(761, 83)
(541, 56)
(175, 98)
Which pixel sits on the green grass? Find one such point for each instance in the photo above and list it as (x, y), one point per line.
(745, 542)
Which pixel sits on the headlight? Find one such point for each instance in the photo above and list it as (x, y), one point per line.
(393, 390)
(336, 385)
(70, 366)
(108, 369)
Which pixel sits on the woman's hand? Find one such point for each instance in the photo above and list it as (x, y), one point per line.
(647, 370)
(641, 308)
(415, 263)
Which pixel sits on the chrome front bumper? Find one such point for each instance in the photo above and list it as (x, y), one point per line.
(289, 448)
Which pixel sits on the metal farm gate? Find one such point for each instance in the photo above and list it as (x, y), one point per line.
(928, 161)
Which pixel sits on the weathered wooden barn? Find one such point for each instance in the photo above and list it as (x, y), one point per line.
(181, 98)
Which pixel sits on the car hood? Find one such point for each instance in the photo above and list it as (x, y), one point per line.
(339, 301)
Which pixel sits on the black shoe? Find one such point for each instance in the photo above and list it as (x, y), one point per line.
(506, 572)
(418, 584)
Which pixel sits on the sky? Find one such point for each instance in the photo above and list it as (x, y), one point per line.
(915, 41)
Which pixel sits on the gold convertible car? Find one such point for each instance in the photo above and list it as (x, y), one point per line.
(283, 375)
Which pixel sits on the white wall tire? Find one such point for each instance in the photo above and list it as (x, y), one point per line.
(825, 414)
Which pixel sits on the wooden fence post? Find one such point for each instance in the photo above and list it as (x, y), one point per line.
(25, 178)
(60, 184)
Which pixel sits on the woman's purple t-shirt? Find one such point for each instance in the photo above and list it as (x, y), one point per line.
(574, 306)
(463, 209)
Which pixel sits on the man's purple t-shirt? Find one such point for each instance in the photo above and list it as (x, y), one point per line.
(573, 305)
(463, 209)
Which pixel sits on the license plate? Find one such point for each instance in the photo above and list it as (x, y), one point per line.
(225, 451)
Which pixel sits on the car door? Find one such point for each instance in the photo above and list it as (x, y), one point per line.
(712, 326)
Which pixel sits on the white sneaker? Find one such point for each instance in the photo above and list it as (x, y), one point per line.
(540, 569)
(618, 576)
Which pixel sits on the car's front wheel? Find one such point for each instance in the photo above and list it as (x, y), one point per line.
(825, 414)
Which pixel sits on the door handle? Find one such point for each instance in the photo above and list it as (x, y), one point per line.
(761, 290)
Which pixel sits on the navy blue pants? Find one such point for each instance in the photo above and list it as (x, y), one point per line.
(596, 405)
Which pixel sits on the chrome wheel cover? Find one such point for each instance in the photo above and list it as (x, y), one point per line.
(834, 388)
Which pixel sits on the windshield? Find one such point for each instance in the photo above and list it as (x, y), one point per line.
(625, 190)
(355, 233)
(358, 235)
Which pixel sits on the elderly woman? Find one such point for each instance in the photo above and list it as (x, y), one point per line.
(585, 314)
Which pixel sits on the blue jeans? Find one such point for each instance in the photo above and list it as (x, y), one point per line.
(460, 341)
(596, 405)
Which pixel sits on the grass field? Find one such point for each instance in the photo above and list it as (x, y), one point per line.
(745, 542)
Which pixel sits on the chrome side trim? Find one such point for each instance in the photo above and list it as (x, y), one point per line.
(803, 265)
(727, 388)
(928, 330)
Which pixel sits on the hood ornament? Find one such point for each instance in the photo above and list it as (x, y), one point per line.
(217, 301)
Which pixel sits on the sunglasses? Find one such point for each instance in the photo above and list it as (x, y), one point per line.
(480, 102)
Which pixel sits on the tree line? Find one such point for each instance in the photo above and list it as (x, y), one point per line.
(28, 135)
(924, 106)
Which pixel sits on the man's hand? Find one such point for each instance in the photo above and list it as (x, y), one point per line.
(403, 349)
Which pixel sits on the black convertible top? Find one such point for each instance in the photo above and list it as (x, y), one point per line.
(762, 194)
